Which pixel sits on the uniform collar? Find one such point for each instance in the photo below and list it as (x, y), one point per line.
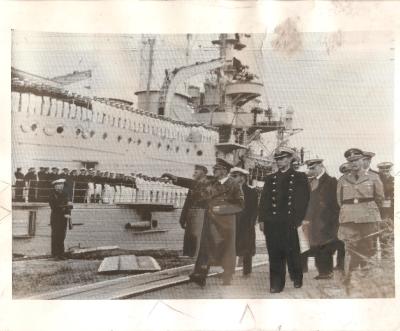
(223, 180)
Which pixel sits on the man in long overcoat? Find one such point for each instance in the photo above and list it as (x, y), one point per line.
(60, 214)
(323, 217)
(192, 215)
(283, 205)
(218, 241)
(246, 220)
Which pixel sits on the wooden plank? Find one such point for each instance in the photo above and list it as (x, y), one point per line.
(127, 281)
(131, 286)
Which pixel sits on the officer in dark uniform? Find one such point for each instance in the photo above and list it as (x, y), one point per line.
(19, 185)
(31, 181)
(283, 205)
(60, 215)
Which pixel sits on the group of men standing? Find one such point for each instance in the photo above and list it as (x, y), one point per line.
(340, 216)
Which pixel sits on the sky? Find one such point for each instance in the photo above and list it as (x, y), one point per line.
(340, 86)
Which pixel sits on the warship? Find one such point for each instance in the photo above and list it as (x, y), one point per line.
(168, 129)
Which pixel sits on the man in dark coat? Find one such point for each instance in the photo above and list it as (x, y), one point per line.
(283, 205)
(60, 214)
(31, 182)
(245, 221)
(323, 217)
(192, 215)
(218, 240)
(19, 185)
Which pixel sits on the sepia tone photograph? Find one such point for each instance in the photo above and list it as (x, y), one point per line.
(202, 166)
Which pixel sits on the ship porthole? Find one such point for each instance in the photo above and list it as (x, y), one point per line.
(92, 133)
(159, 145)
(119, 138)
(139, 142)
(168, 147)
(177, 149)
(187, 150)
(129, 140)
(60, 129)
(78, 132)
(34, 127)
(148, 143)
(105, 135)
(199, 153)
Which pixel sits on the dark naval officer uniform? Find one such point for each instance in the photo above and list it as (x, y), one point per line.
(283, 205)
(59, 208)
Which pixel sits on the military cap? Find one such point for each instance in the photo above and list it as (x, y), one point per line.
(54, 168)
(222, 164)
(58, 181)
(368, 155)
(283, 152)
(239, 170)
(65, 169)
(345, 167)
(42, 168)
(200, 167)
(31, 168)
(353, 151)
(384, 165)
(82, 169)
(311, 162)
(19, 169)
(46, 168)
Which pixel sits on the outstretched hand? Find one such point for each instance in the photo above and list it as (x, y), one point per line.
(169, 176)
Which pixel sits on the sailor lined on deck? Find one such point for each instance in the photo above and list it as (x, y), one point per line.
(283, 205)
(194, 208)
(359, 194)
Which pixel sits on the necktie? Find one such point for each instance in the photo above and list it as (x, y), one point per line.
(314, 184)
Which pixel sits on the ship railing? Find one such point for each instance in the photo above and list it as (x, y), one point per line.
(103, 193)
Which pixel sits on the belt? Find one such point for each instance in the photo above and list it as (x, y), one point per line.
(357, 200)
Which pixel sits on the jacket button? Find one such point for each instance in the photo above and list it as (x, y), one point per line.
(291, 182)
(273, 183)
(288, 212)
(273, 205)
(273, 190)
(289, 203)
(274, 213)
